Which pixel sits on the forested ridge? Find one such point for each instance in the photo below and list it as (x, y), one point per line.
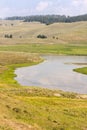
(49, 19)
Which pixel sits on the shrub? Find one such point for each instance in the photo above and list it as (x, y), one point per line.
(17, 110)
(41, 36)
(8, 36)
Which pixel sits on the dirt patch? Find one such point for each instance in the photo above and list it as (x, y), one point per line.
(9, 124)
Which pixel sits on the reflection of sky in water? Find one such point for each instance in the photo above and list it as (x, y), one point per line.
(55, 74)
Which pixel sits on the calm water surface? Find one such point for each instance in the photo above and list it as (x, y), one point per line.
(55, 73)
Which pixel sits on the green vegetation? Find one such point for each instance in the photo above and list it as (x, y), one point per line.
(8, 36)
(47, 49)
(81, 70)
(50, 19)
(43, 113)
(41, 36)
(9, 61)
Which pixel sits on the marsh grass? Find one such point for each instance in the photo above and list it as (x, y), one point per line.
(9, 61)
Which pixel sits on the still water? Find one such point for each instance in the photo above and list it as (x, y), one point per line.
(56, 72)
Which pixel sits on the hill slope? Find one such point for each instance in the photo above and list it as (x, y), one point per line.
(56, 33)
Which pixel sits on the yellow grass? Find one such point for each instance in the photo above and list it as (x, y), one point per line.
(66, 32)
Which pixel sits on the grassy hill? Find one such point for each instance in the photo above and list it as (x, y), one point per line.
(65, 33)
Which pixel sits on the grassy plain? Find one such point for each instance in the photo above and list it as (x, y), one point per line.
(33, 108)
(59, 49)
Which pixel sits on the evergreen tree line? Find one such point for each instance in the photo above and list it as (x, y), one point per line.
(49, 19)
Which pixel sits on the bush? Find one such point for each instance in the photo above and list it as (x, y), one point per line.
(17, 110)
(8, 36)
(41, 36)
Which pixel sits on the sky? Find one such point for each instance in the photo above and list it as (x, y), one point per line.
(42, 7)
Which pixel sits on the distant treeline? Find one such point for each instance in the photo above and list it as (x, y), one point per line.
(49, 19)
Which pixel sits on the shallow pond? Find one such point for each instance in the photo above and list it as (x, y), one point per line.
(56, 72)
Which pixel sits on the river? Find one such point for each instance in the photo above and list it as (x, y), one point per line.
(56, 72)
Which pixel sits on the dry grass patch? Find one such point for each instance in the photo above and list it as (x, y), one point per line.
(8, 58)
(7, 124)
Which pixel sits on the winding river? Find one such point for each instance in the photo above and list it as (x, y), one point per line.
(56, 72)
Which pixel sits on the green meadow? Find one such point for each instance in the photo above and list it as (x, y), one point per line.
(60, 49)
(34, 108)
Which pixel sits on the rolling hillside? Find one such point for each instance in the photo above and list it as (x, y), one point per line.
(59, 33)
